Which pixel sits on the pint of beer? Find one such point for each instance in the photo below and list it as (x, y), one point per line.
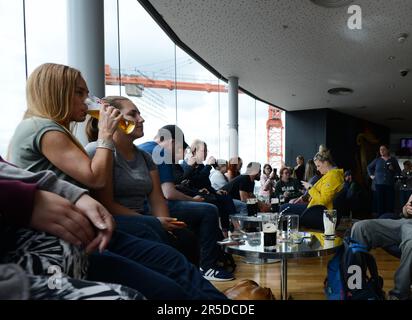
(94, 104)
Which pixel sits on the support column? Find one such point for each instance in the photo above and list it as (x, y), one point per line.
(233, 117)
(86, 46)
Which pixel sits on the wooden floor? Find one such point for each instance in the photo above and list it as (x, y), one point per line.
(305, 275)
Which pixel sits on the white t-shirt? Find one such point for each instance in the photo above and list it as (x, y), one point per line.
(217, 179)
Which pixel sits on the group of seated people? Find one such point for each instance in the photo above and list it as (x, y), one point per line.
(288, 186)
(68, 191)
(121, 221)
(322, 187)
(111, 212)
(321, 183)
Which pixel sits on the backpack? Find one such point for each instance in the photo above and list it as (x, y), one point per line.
(341, 276)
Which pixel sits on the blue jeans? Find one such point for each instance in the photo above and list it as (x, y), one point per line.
(154, 269)
(150, 228)
(226, 208)
(142, 226)
(203, 219)
(241, 207)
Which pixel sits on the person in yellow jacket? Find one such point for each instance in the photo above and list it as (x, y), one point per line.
(322, 193)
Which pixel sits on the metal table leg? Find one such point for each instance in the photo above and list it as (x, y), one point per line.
(284, 279)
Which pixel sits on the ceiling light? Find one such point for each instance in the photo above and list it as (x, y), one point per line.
(332, 3)
(340, 91)
(402, 37)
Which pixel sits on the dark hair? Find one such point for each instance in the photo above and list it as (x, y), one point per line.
(92, 129)
(384, 145)
(92, 126)
(283, 170)
(232, 167)
(171, 131)
(310, 170)
(267, 165)
(347, 173)
(300, 158)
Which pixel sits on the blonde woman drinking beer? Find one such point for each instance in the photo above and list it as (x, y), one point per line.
(56, 96)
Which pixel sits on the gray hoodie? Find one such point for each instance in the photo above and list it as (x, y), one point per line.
(14, 283)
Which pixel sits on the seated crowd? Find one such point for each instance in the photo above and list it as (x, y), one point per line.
(122, 220)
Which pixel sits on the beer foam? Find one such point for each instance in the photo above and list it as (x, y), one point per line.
(269, 228)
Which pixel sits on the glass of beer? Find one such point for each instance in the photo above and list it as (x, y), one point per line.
(94, 104)
(274, 205)
(270, 228)
(252, 207)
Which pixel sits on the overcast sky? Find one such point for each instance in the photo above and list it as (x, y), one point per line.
(144, 47)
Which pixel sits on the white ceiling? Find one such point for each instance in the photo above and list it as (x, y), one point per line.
(281, 48)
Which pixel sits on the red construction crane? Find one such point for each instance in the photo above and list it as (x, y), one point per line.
(274, 125)
(161, 84)
(274, 129)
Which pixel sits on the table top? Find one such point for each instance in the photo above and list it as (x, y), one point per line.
(313, 245)
(261, 216)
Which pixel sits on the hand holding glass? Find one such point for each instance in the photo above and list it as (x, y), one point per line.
(94, 104)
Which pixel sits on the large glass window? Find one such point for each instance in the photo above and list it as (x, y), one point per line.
(224, 123)
(261, 132)
(150, 64)
(46, 40)
(46, 24)
(197, 102)
(147, 60)
(12, 66)
(247, 132)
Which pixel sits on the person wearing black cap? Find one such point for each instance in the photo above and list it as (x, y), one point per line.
(167, 149)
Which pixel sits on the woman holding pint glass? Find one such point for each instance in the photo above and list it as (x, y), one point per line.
(57, 97)
(382, 171)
